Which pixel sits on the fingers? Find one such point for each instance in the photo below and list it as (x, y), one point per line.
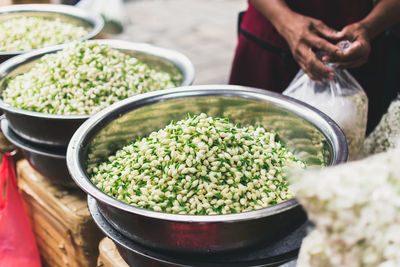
(354, 57)
(311, 65)
(343, 34)
(353, 32)
(318, 71)
(322, 44)
(318, 33)
(324, 30)
(357, 50)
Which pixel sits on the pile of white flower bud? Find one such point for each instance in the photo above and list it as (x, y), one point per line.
(26, 33)
(202, 166)
(81, 79)
(356, 211)
(386, 133)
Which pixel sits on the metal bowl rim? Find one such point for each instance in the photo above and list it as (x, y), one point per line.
(174, 57)
(92, 18)
(20, 143)
(80, 178)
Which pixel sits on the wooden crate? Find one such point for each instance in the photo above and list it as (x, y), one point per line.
(108, 255)
(65, 232)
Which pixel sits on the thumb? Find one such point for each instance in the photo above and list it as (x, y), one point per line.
(345, 32)
(327, 31)
(341, 34)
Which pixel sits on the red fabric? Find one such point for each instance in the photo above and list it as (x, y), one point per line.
(17, 243)
(255, 66)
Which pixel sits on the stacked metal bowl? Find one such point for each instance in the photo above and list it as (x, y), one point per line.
(311, 135)
(93, 22)
(44, 137)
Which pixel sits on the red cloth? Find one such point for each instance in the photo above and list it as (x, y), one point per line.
(258, 67)
(17, 242)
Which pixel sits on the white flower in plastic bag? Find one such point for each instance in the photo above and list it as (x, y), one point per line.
(342, 99)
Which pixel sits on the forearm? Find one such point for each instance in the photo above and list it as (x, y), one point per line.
(384, 15)
(302, 34)
(276, 11)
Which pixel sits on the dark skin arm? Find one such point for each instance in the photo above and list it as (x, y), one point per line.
(304, 34)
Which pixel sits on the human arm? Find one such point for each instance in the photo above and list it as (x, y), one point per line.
(303, 34)
(385, 14)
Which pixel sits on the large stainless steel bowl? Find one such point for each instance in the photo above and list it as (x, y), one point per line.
(50, 129)
(310, 134)
(93, 22)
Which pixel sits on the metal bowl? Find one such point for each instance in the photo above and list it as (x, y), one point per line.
(57, 130)
(310, 134)
(48, 161)
(65, 13)
(282, 253)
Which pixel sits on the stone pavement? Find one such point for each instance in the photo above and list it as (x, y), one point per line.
(203, 30)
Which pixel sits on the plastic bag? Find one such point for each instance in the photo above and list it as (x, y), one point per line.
(17, 243)
(342, 99)
(113, 12)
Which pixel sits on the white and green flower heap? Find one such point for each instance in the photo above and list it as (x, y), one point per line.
(201, 165)
(83, 78)
(31, 32)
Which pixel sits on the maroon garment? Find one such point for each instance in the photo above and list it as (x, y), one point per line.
(259, 67)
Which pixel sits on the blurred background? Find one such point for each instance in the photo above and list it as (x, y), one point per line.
(203, 30)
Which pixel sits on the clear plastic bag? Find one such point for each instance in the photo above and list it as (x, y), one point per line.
(342, 99)
(113, 12)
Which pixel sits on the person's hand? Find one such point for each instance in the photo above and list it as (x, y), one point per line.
(358, 53)
(304, 35)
